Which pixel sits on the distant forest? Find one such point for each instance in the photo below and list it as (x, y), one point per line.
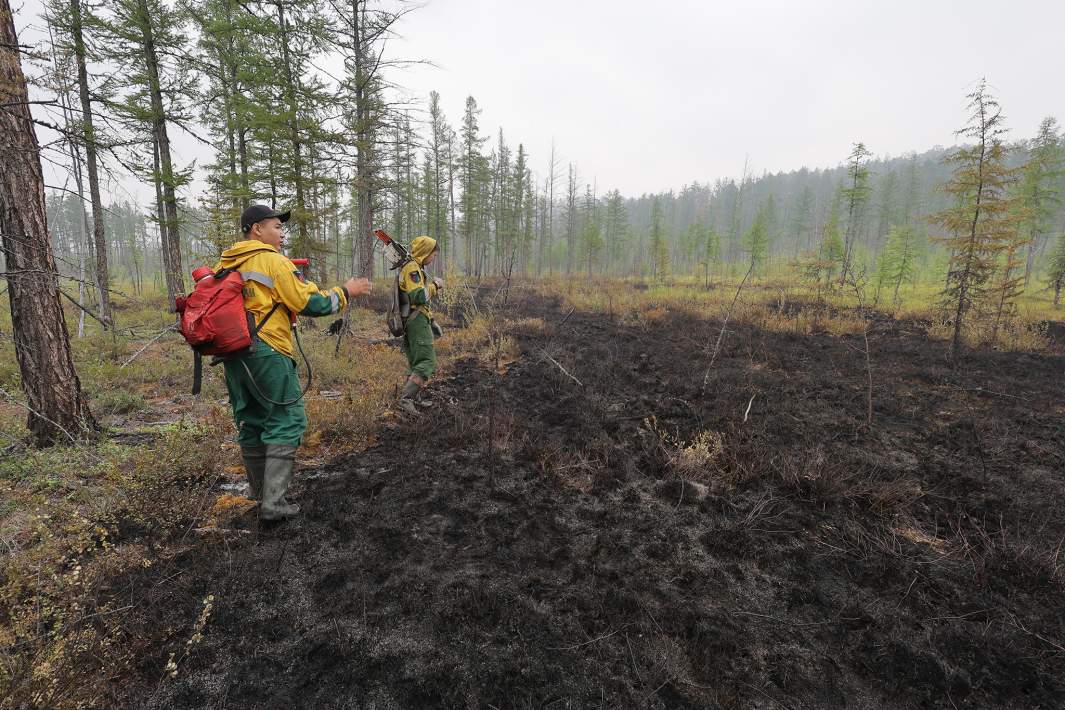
(702, 224)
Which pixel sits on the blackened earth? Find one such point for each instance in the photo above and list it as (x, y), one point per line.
(537, 541)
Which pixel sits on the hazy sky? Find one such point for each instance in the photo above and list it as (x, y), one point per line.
(646, 97)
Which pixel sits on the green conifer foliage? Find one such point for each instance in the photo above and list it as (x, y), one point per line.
(756, 240)
(856, 196)
(660, 266)
(898, 260)
(711, 252)
(982, 222)
(1040, 187)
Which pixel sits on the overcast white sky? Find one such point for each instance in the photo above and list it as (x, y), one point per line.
(647, 97)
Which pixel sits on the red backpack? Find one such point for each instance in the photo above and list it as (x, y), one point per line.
(213, 319)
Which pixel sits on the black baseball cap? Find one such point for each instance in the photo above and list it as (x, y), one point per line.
(257, 213)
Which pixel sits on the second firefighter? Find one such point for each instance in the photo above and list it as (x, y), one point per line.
(416, 294)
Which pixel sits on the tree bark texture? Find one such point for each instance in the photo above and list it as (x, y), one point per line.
(58, 409)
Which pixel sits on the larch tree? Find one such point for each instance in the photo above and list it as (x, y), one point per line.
(58, 409)
(660, 267)
(1056, 272)
(898, 260)
(548, 231)
(886, 207)
(615, 223)
(300, 36)
(912, 200)
(230, 63)
(801, 219)
(1040, 188)
(855, 195)
(591, 233)
(711, 253)
(692, 240)
(830, 253)
(436, 190)
(470, 174)
(67, 17)
(1008, 279)
(979, 224)
(756, 239)
(571, 219)
(361, 30)
(138, 36)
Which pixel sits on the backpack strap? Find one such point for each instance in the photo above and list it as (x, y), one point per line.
(255, 331)
(259, 278)
(197, 371)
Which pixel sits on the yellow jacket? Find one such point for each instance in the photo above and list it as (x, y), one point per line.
(412, 278)
(269, 278)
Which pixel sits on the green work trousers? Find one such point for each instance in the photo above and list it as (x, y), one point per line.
(272, 374)
(418, 346)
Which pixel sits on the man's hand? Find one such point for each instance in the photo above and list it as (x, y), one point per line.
(357, 287)
(438, 282)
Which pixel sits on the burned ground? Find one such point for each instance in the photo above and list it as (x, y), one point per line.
(593, 528)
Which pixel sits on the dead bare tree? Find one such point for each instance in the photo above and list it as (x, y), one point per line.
(724, 325)
(857, 283)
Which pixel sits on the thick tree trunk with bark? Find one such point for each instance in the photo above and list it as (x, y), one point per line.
(58, 409)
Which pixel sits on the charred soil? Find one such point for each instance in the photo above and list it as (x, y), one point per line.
(594, 528)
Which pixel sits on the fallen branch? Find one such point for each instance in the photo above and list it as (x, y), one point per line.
(168, 329)
(35, 413)
(586, 643)
(1017, 624)
(564, 372)
(92, 315)
(984, 390)
(749, 408)
(223, 531)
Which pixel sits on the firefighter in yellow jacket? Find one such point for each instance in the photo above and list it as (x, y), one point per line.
(264, 389)
(416, 293)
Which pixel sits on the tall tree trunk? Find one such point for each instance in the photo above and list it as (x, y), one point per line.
(363, 139)
(1030, 259)
(300, 213)
(171, 234)
(272, 163)
(450, 195)
(231, 147)
(58, 409)
(89, 135)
